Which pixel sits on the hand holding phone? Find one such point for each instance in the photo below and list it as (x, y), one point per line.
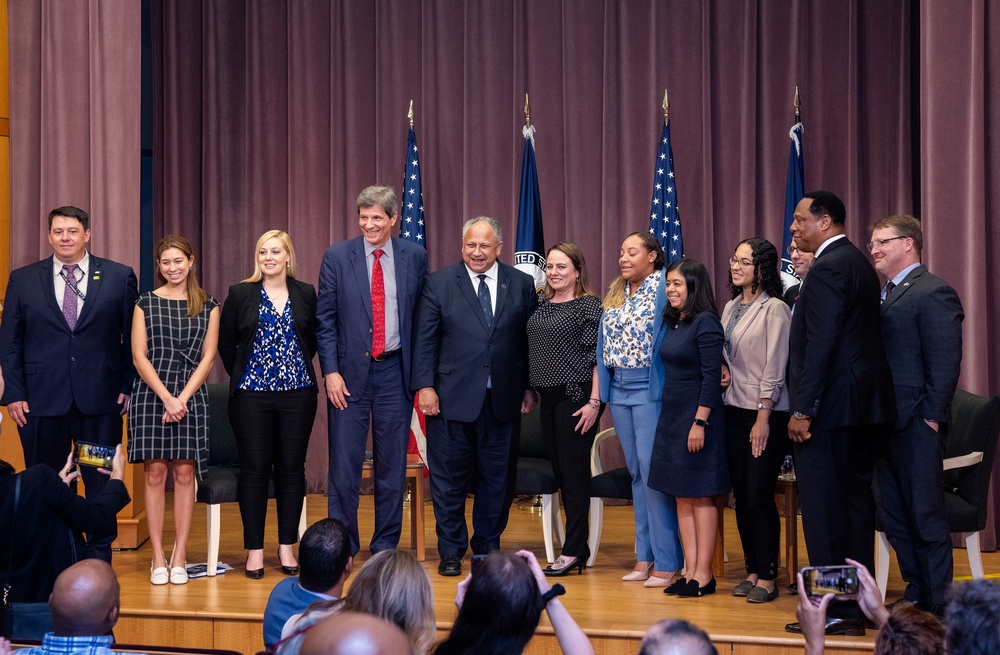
(92, 454)
(841, 581)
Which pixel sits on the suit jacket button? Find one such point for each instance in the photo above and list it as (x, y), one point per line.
(72, 359)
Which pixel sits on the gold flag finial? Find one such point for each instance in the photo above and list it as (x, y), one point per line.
(409, 114)
(527, 112)
(797, 104)
(666, 108)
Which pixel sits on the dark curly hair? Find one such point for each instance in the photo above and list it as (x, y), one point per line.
(765, 268)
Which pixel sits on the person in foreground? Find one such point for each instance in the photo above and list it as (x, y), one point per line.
(499, 606)
(906, 631)
(325, 564)
(676, 637)
(267, 340)
(175, 335)
(840, 395)
(352, 633)
(393, 586)
(689, 452)
(470, 369)
(562, 342)
(922, 330)
(973, 618)
(44, 538)
(756, 324)
(630, 373)
(84, 604)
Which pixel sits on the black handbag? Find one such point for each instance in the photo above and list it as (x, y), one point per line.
(24, 620)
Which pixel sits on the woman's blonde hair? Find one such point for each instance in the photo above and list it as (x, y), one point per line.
(616, 290)
(196, 295)
(394, 586)
(286, 242)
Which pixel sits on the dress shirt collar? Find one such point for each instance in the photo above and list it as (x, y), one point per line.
(899, 277)
(491, 274)
(828, 242)
(84, 265)
(387, 248)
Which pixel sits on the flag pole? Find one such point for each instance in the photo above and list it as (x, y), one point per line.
(409, 114)
(666, 108)
(797, 104)
(527, 112)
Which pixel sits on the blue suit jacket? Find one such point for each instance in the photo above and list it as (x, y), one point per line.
(456, 353)
(344, 310)
(50, 366)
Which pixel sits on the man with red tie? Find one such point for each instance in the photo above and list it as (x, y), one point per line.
(367, 289)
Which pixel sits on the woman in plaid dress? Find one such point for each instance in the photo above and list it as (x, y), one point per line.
(175, 335)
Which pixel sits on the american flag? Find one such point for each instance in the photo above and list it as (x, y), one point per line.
(411, 228)
(664, 218)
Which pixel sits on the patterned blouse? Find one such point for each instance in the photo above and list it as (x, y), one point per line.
(562, 344)
(628, 330)
(276, 362)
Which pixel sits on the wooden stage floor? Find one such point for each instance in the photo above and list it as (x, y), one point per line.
(225, 611)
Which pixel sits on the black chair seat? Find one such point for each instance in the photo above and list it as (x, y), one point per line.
(534, 477)
(616, 483)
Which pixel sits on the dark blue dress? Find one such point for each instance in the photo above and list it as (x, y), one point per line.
(692, 364)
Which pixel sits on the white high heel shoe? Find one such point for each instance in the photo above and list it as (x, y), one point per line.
(638, 576)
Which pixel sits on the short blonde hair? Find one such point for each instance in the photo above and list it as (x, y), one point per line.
(286, 242)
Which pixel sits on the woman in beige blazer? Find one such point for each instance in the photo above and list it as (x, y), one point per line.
(756, 323)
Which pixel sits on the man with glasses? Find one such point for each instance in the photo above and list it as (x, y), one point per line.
(922, 330)
(841, 393)
(801, 261)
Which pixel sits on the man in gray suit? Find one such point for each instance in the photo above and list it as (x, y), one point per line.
(922, 331)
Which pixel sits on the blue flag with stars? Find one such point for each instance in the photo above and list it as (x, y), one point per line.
(795, 188)
(411, 221)
(529, 249)
(664, 217)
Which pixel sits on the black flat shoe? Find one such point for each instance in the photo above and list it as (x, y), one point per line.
(577, 563)
(289, 570)
(694, 590)
(675, 588)
(846, 627)
(450, 566)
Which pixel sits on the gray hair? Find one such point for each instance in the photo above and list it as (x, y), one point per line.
(492, 222)
(379, 196)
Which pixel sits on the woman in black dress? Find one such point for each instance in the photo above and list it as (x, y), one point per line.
(267, 342)
(175, 335)
(562, 344)
(689, 453)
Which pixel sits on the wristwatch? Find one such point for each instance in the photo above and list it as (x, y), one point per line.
(763, 406)
(802, 417)
(701, 422)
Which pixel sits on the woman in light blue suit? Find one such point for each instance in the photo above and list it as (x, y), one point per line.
(630, 374)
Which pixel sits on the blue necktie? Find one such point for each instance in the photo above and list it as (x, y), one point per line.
(484, 300)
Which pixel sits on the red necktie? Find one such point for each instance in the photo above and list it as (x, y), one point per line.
(378, 306)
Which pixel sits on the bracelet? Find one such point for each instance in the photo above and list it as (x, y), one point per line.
(556, 590)
(596, 404)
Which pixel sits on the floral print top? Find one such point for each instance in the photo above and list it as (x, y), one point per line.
(276, 362)
(628, 330)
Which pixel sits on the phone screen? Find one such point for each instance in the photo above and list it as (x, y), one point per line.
(839, 580)
(92, 454)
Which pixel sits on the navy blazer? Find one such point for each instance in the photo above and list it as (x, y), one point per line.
(241, 314)
(922, 331)
(839, 374)
(51, 366)
(456, 353)
(344, 321)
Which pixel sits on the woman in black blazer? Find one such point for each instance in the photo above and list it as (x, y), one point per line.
(267, 341)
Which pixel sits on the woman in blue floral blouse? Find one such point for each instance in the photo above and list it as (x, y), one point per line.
(630, 375)
(267, 342)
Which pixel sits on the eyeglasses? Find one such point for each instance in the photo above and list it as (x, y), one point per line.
(741, 263)
(792, 250)
(872, 245)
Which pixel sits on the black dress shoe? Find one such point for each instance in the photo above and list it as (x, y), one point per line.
(289, 570)
(673, 589)
(846, 627)
(451, 565)
(253, 574)
(694, 590)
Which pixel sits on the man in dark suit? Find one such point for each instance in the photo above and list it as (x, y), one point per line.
(841, 388)
(922, 330)
(470, 367)
(67, 349)
(367, 289)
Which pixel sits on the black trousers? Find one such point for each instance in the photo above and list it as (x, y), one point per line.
(49, 439)
(272, 432)
(834, 472)
(483, 453)
(754, 480)
(569, 452)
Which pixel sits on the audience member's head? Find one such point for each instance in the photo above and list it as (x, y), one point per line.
(676, 637)
(973, 618)
(392, 585)
(350, 633)
(325, 557)
(85, 600)
(500, 610)
(910, 631)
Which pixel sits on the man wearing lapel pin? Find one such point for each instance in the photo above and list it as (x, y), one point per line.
(67, 350)
(922, 331)
(470, 369)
